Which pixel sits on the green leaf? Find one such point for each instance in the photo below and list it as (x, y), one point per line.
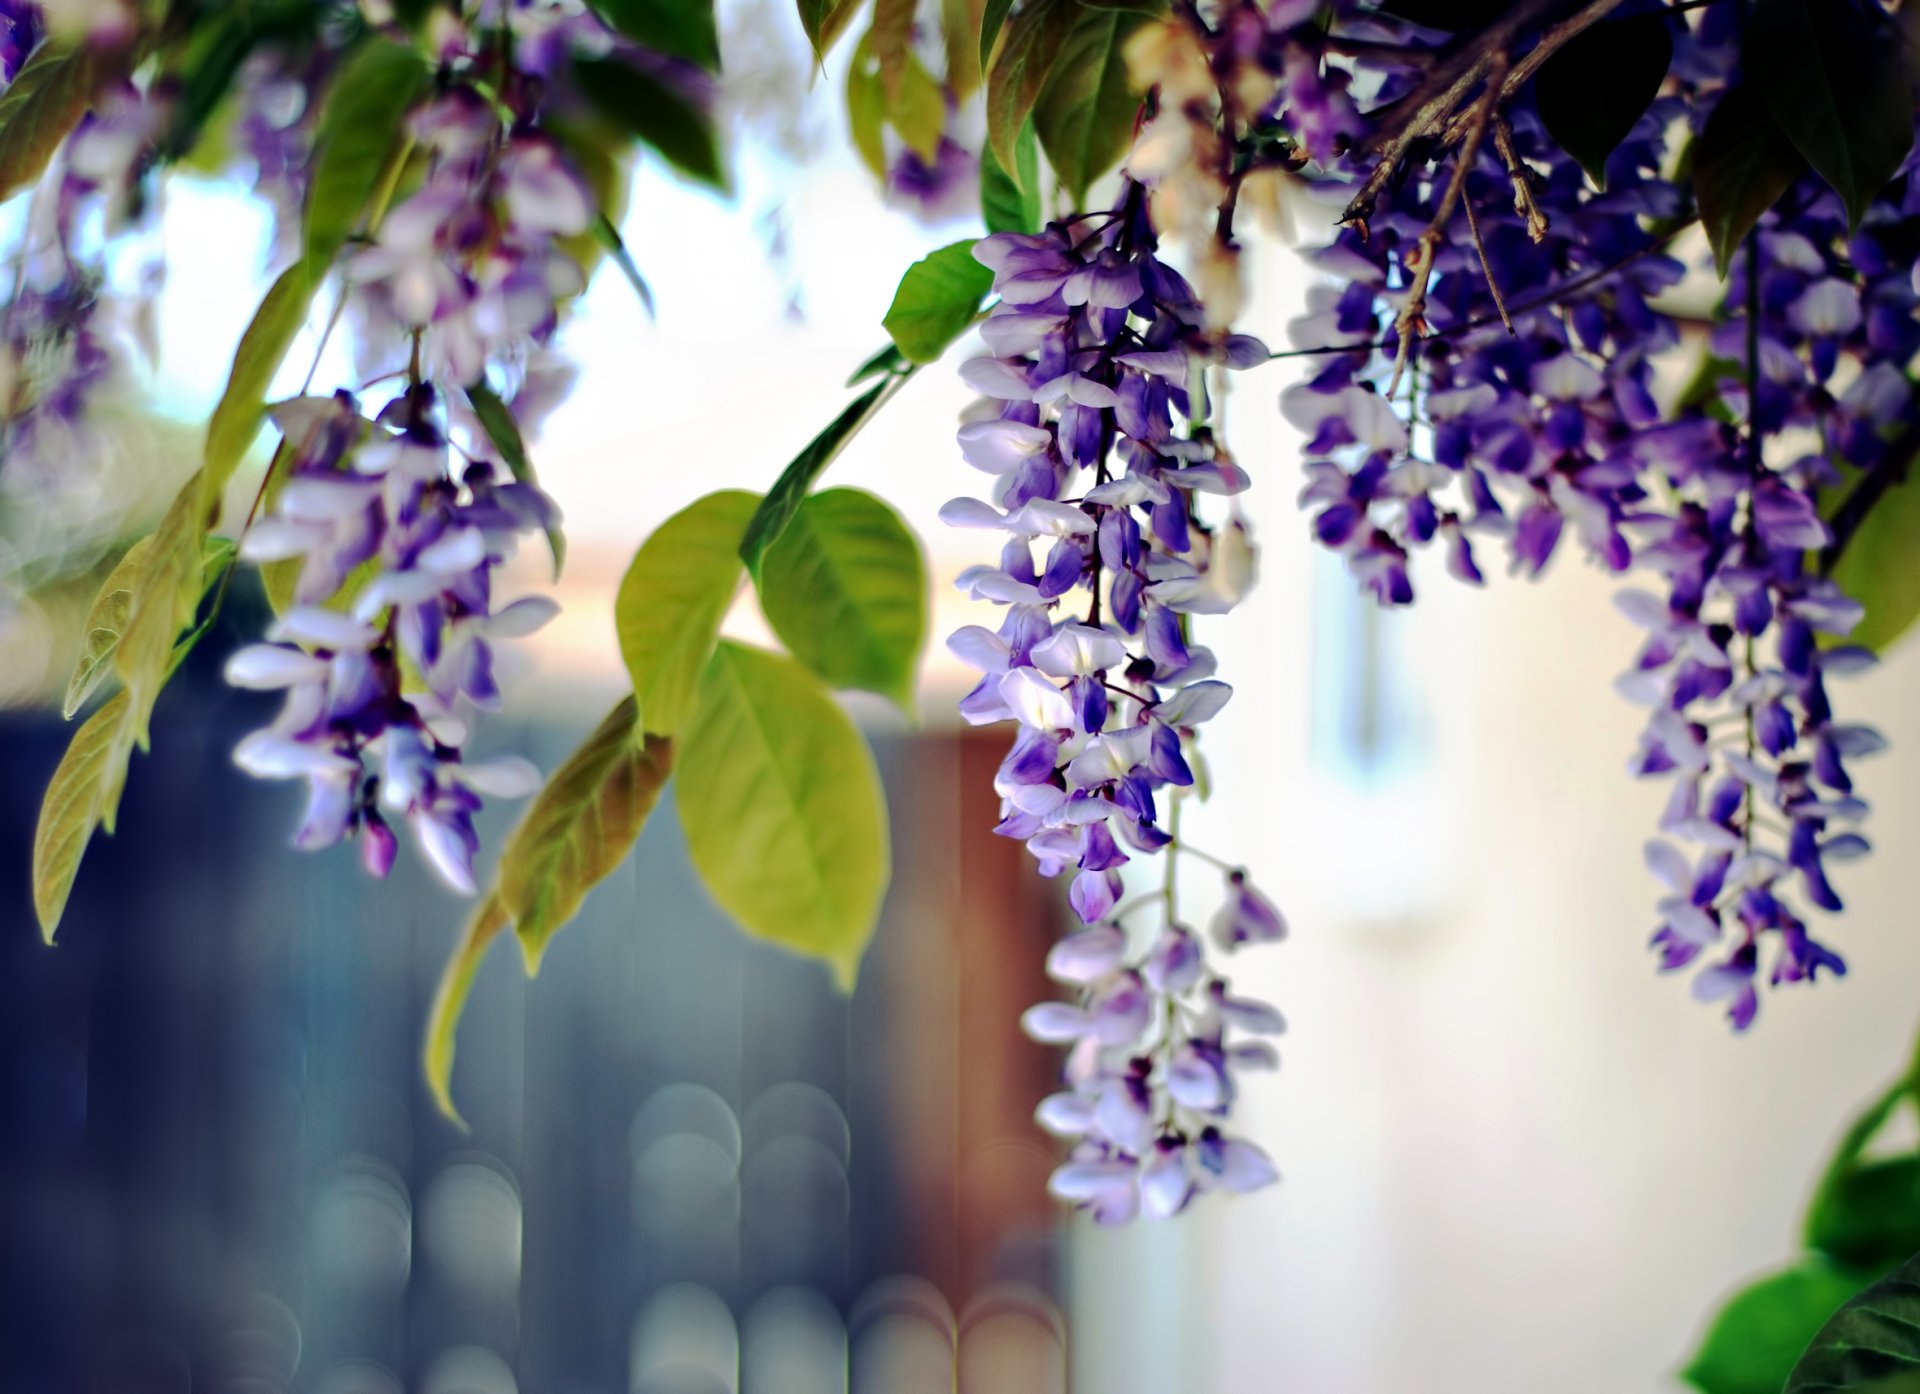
(886, 360)
(113, 606)
(936, 301)
(1877, 568)
(44, 102)
(1754, 1341)
(165, 593)
(675, 593)
(823, 21)
(993, 18)
(1741, 165)
(960, 25)
(782, 808)
(1086, 112)
(106, 619)
(72, 808)
(496, 418)
(661, 115)
(362, 120)
(1036, 39)
(450, 1000)
(890, 39)
(845, 588)
(1870, 1215)
(777, 508)
(1594, 91)
(263, 348)
(678, 28)
(867, 111)
(1011, 202)
(917, 109)
(1874, 1337)
(1834, 79)
(581, 826)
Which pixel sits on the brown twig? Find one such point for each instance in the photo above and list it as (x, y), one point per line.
(1551, 42)
(1524, 202)
(1486, 268)
(1412, 317)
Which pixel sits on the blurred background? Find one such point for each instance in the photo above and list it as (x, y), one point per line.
(1514, 1157)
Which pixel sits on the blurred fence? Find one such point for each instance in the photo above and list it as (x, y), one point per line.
(693, 1166)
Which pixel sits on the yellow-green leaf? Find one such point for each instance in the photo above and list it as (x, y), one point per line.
(936, 301)
(960, 24)
(106, 619)
(581, 826)
(236, 419)
(166, 591)
(73, 808)
(1035, 39)
(1877, 567)
(824, 20)
(845, 588)
(43, 103)
(450, 999)
(359, 126)
(672, 599)
(782, 808)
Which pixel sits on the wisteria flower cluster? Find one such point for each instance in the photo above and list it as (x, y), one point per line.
(1519, 306)
(377, 692)
(1097, 346)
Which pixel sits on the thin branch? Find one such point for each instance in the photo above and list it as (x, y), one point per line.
(1524, 202)
(1551, 42)
(1412, 316)
(1486, 268)
(1545, 300)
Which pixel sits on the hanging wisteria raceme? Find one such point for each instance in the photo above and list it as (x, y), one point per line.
(377, 689)
(459, 289)
(1098, 353)
(1485, 371)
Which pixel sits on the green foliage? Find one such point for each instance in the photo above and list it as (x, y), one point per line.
(1877, 566)
(1834, 79)
(845, 588)
(1085, 113)
(1010, 202)
(825, 20)
(678, 28)
(112, 608)
(263, 348)
(217, 43)
(135, 625)
(578, 829)
(782, 808)
(993, 18)
(496, 419)
(73, 806)
(1864, 1217)
(106, 619)
(777, 508)
(450, 999)
(581, 826)
(890, 86)
(657, 113)
(1036, 38)
(359, 127)
(1742, 163)
(1595, 89)
(1874, 1339)
(960, 25)
(45, 101)
(675, 593)
(1753, 1343)
(936, 301)
(887, 360)
(1866, 1212)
